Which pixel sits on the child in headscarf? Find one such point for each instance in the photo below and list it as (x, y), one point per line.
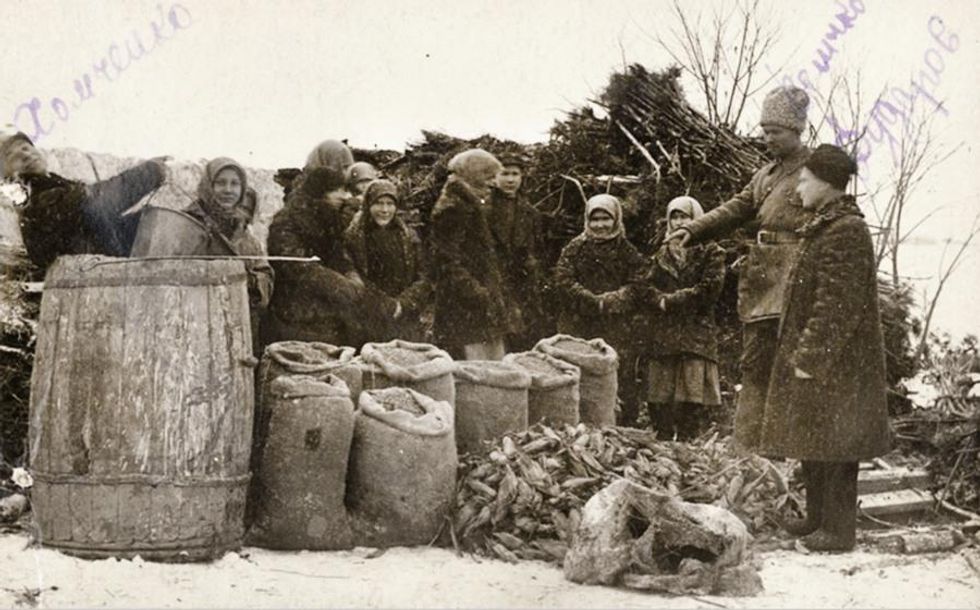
(596, 278)
(387, 254)
(682, 287)
(223, 205)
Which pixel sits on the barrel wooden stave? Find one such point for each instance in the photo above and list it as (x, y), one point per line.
(141, 410)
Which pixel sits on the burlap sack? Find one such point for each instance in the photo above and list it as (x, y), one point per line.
(598, 362)
(554, 393)
(491, 400)
(420, 366)
(300, 480)
(311, 358)
(402, 476)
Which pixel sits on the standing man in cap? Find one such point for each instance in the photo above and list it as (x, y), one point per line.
(770, 207)
(62, 216)
(514, 226)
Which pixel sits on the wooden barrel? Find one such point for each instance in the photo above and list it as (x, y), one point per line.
(141, 408)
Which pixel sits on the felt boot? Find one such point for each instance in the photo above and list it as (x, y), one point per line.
(813, 479)
(662, 419)
(838, 526)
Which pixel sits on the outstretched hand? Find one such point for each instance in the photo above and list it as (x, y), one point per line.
(165, 165)
(680, 236)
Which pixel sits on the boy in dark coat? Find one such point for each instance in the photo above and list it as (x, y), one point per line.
(681, 290)
(515, 227)
(768, 208)
(826, 401)
(470, 315)
(387, 254)
(314, 301)
(596, 278)
(64, 216)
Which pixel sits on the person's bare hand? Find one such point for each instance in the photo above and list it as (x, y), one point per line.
(165, 163)
(681, 236)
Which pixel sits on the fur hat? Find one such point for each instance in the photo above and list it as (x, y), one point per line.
(785, 107)
(6, 144)
(474, 165)
(330, 153)
(832, 165)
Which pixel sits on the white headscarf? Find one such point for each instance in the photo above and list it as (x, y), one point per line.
(610, 205)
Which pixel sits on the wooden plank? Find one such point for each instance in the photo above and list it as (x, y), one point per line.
(899, 502)
(875, 481)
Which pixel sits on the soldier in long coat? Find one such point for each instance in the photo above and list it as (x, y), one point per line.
(770, 208)
(826, 403)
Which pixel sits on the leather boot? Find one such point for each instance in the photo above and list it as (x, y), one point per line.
(838, 527)
(813, 476)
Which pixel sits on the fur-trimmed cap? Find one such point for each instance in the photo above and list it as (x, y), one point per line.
(785, 107)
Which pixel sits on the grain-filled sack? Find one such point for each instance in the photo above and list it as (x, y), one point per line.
(315, 359)
(554, 393)
(420, 366)
(598, 362)
(300, 480)
(311, 358)
(402, 476)
(491, 400)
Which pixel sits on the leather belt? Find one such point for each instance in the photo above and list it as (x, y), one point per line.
(776, 237)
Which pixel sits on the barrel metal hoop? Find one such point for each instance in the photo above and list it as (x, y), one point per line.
(140, 479)
(137, 281)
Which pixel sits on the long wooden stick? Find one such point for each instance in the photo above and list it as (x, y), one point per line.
(643, 151)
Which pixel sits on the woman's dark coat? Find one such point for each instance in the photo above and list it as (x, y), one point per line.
(831, 330)
(469, 304)
(65, 216)
(589, 268)
(314, 301)
(409, 285)
(690, 292)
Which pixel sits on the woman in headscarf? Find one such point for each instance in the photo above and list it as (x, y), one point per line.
(596, 278)
(225, 205)
(388, 255)
(470, 315)
(826, 403)
(682, 288)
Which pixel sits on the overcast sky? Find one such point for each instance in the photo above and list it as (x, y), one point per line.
(264, 81)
